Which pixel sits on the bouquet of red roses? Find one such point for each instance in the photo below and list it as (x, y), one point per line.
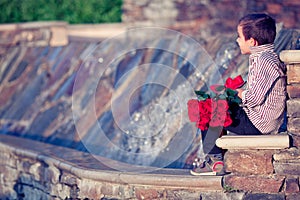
(213, 109)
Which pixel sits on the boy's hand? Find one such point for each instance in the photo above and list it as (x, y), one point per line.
(240, 91)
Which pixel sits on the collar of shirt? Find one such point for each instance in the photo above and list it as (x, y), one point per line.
(261, 48)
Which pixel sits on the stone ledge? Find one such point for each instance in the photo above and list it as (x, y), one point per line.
(77, 163)
(290, 56)
(96, 31)
(253, 142)
(51, 33)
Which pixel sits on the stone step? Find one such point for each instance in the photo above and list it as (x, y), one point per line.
(253, 142)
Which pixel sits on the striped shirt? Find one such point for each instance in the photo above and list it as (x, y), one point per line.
(265, 97)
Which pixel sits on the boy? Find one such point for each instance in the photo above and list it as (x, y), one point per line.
(263, 100)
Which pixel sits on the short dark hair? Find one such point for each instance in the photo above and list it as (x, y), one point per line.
(260, 27)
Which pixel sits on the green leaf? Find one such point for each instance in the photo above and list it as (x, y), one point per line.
(202, 95)
(220, 88)
(230, 92)
(222, 96)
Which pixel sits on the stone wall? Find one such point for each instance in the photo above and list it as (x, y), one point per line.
(266, 173)
(292, 59)
(34, 170)
(206, 17)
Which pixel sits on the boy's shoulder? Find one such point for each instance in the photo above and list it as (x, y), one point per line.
(271, 63)
(268, 56)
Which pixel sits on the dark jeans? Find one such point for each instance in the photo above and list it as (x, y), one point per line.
(241, 125)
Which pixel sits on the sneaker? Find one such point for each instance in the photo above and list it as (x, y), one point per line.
(208, 167)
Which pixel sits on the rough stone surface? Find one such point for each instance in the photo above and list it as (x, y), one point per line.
(35, 34)
(295, 196)
(221, 196)
(262, 184)
(288, 168)
(202, 12)
(37, 176)
(257, 196)
(293, 73)
(249, 161)
(293, 90)
(146, 193)
(293, 106)
(287, 155)
(295, 141)
(294, 126)
(292, 185)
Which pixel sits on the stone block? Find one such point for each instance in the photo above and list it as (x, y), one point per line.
(291, 3)
(287, 155)
(291, 185)
(30, 192)
(223, 195)
(293, 108)
(264, 184)
(7, 159)
(274, 8)
(35, 171)
(249, 162)
(146, 193)
(262, 196)
(8, 192)
(52, 174)
(8, 174)
(59, 36)
(289, 20)
(106, 189)
(187, 194)
(68, 179)
(293, 73)
(293, 90)
(62, 190)
(288, 168)
(294, 126)
(295, 196)
(89, 189)
(295, 141)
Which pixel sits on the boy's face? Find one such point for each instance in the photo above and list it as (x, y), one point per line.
(243, 43)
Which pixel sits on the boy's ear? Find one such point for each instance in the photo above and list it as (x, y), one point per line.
(253, 42)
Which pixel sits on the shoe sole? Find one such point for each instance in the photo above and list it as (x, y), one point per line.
(203, 173)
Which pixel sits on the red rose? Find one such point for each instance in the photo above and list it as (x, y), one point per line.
(202, 125)
(222, 105)
(235, 83)
(193, 110)
(205, 118)
(217, 119)
(205, 106)
(220, 110)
